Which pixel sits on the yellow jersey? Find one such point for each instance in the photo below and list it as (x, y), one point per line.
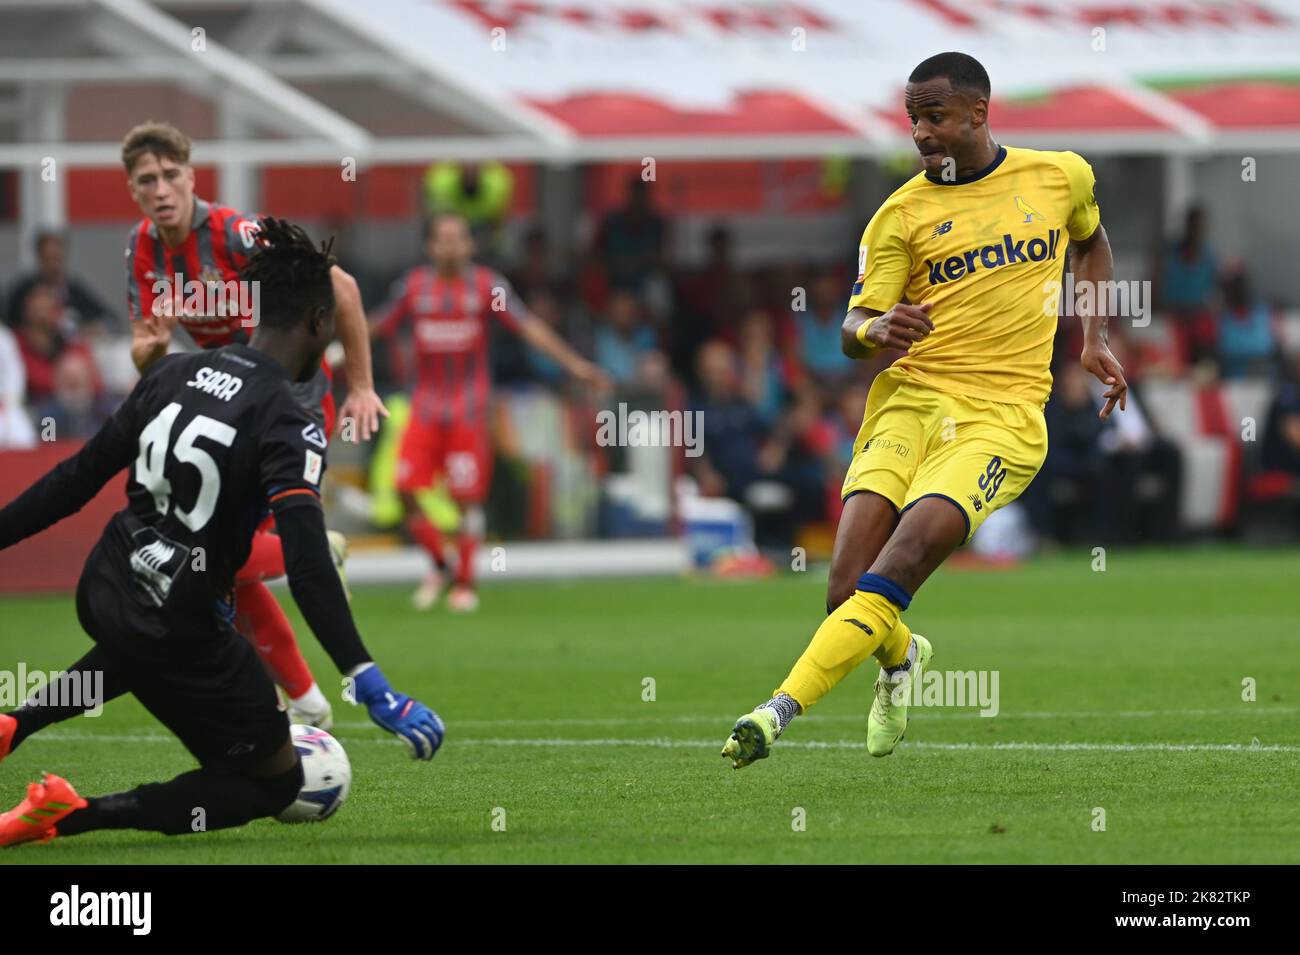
(988, 251)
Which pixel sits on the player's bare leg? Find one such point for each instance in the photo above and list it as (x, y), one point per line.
(463, 597)
(430, 538)
(865, 525)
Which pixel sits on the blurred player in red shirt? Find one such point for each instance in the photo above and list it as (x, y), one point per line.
(182, 264)
(449, 304)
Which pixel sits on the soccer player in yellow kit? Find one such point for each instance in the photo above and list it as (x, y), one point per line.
(957, 270)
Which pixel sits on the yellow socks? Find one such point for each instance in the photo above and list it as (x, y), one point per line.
(865, 624)
(893, 649)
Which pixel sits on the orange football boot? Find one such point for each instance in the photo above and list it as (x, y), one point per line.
(34, 819)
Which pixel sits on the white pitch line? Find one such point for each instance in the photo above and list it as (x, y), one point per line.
(700, 719)
(1115, 747)
(663, 743)
(666, 743)
(922, 713)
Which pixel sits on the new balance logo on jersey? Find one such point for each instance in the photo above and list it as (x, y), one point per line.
(1007, 252)
(156, 564)
(219, 384)
(943, 228)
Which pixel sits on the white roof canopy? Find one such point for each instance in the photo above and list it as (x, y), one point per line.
(308, 81)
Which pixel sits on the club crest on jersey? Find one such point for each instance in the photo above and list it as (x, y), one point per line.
(314, 435)
(1029, 212)
(995, 255)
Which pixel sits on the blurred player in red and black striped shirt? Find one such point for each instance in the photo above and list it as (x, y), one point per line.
(185, 244)
(449, 304)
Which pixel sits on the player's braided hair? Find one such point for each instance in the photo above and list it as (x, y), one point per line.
(293, 275)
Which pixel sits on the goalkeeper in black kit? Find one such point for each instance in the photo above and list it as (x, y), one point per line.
(212, 442)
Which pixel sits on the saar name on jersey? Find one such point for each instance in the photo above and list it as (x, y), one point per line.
(217, 440)
(988, 252)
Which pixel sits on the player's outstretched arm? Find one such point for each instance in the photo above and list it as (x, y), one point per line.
(71, 484)
(545, 339)
(362, 405)
(865, 331)
(1091, 262)
(319, 594)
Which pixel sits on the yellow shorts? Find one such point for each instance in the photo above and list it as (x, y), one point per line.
(918, 442)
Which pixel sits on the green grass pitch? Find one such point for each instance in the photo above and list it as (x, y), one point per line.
(1119, 690)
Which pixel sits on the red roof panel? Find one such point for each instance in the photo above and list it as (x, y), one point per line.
(1069, 108)
(756, 113)
(1254, 104)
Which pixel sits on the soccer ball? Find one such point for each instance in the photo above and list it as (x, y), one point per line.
(327, 775)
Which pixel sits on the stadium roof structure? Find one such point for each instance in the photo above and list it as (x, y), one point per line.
(317, 81)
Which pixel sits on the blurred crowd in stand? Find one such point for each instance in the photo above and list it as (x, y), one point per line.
(756, 349)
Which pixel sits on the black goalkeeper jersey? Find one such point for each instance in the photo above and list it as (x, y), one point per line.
(216, 439)
(211, 442)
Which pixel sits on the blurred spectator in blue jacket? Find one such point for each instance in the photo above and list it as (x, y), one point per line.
(816, 329)
(1186, 283)
(1246, 343)
(762, 375)
(545, 368)
(733, 430)
(623, 337)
